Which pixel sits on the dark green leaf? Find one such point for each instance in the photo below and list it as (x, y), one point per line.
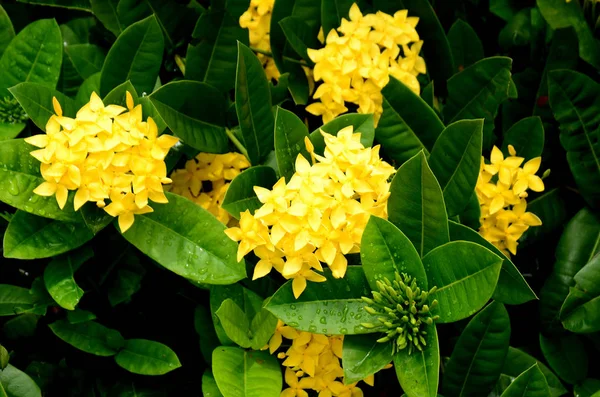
(586, 388)
(567, 356)
(188, 240)
(364, 356)
(89, 337)
(588, 278)
(135, 56)
(531, 383)
(518, 361)
(362, 123)
(16, 383)
(87, 58)
(22, 326)
(479, 354)
(79, 316)
(36, 100)
(332, 13)
(455, 161)
(206, 332)
(465, 275)
(466, 46)
(195, 112)
(14, 300)
(290, 133)
(89, 85)
(583, 319)
(81, 5)
(416, 205)
(59, 278)
(240, 194)
(551, 208)
(418, 373)
(127, 282)
(7, 32)
(4, 357)
(106, 12)
(146, 357)
(527, 137)
(505, 9)
(299, 36)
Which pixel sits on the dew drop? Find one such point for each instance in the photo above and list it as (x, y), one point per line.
(293, 307)
(300, 318)
(12, 187)
(312, 328)
(324, 330)
(343, 331)
(323, 320)
(293, 324)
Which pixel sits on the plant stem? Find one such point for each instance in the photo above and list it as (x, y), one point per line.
(270, 54)
(236, 142)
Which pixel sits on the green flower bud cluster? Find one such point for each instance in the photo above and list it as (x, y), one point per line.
(11, 112)
(403, 310)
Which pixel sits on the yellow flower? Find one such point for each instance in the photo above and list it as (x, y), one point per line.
(319, 215)
(296, 387)
(105, 152)
(359, 58)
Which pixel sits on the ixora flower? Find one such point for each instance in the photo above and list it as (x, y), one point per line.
(313, 362)
(214, 170)
(502, 191)
(359, 58)
(104, 153)
(319, 215)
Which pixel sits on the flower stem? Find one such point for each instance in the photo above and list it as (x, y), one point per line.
(236, 142)
(270, 54)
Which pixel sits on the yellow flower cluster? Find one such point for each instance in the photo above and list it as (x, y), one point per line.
(356, 64)
(320, 214)
(313, 363)
(502, 191)
(257, 19)
(104, 153)
(205, 180)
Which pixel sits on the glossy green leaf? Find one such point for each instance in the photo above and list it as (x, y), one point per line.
(16, 383)
(518, 361)
(81, 5)
(465, 275)
(30, 237)
(246, 299)
(526, 136)
(407, 125)
(504, 9)
(4, 357)
(206, 332)
(95, 218)
(579, 242)
(385, 251)
(135, 56)
(10, 131)
(87, 58)
(126, 282)
(34, 55)
(465, 45)
(59, 278)
(512, 289)
(477, 91)
(531, 383)
(149, 110)
(89, 85)
(418, 373)
(479, 353)
(299, 36)
(118, 95)
(106, 12)
(455, 161)
(7, 32)
(240, 373)
(89, 337)
(362, 123)
(588, 277)
(416, 205)
(146, 357)
(14, 300)
(585, 318)
(36, 100)
(209, 385)
(574, 98)
(567, 356)
(586, 388)
(551, 208)
(79, 316)
(332, 307)
(253, 105)
(195, 112)
(235, 322)
(364, 356)
(332, 13)
(290, 133)
(240, 194)
(188, 240)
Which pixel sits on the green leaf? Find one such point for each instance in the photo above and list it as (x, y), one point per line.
(146, 357)
(477, 91)
(16, 383)
(34, 55)
(195, 112)
(578, 244)
(332, 13)
(14, 300)
(362, 123)
(479, 353)
(407, 125)
(149, 110)
(213, 59)
(527, 137)
(246, 299)
(518, 361)
(574, 99)
(10, 131)
(135, 56)
(89, 337)
(36, 100)
(89, 85)
(106, 12)
(240, 373)
(561, 14)
(118, 95)
(95, 218)
(21, 327)
(87, 58)
(588, 277)
(253, 105)
(416, 205)
(7, 32)
(209, 385)
(586, 388)
(465, 275)
(4, 357)
(551, 208)
(299, 36)
(81, 5)
(59, 277)
(584, 319)
(465, 45)
(79, 316)
(240, 194)
(418, 373)
(531, 383)
(364, 356)
(504, 9)
(262, 328)
(235, 322)
(188, 240)
(567, 356)
(455, 161)
(512, 289)
(127, 282)
(290, 133)
(31, 237)
(332, 307)
(385, 251)
(206, 332)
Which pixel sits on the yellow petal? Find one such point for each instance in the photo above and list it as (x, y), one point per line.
(535, 183)
(125, 221)
(129, 100)
(298, 286)
(40, 140)
(61, 196)
(56, 105)
(497, 204)
(496, 156)
(532, 166)
(81, 197)
(263, 267)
